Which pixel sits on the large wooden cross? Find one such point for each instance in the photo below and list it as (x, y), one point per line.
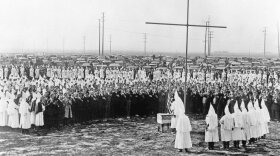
(187, 38)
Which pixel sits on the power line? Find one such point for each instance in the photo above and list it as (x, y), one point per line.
(99, 38)
(103, 20)
(150, 34)
(264, 46)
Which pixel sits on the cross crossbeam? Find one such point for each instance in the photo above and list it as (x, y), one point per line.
(190, 25)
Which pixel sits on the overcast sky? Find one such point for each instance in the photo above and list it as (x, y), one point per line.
(38, 24)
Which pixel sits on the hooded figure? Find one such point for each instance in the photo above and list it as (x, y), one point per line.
(260, 119)
(246, 123)
(176, 107)
(211, 132)
(24, 110)
(13, 114)
(253, 121)
(266, 117)
(227, 125)
(33, 105)
(238, 132)
(39, 111)
(3, 111)
(183, 126)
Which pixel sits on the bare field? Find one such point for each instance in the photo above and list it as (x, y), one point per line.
(135, 136)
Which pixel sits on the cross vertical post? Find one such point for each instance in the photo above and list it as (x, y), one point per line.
(187, 45)
(205, 39)
(278, 40)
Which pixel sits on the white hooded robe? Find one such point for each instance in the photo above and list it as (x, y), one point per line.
(227, 124)
(24, 110)
(253, 120)
(266, 116)
(246, 121)
(183, 127)
(13, 114)
(238, 131)
(211, 133)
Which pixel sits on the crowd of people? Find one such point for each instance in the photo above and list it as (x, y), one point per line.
(245, 123)
(54, 96)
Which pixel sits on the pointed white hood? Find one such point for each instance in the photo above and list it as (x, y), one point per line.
(179, 104)
(237, 116)
(251, 113)
(243, 108)
(211, 118)
(236, 108)
(226, 110)
(265, 111)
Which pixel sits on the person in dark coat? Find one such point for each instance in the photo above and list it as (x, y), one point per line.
(51, 113)
(123, 104)
(215, 102)
(161, 98)
(77, 104)
(275, 108)
(269, 102)
(189, 104)
(91, 105)
(128, 96)
(133, 103)
(148, 108)
(100, 105)
(86, 106)
(108, 104)
(221, 104)
(156, 102)
(113, 104)
(60, 111)
(142, 103)
(198, 103)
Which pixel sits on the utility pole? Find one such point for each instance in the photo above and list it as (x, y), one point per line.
(187, 39)
(145, 43)
(84, 38)
(210, 42)
(110, 44)
(205, 39)
(264, 46)
(278, 40)
(103, 34)
(99, 38)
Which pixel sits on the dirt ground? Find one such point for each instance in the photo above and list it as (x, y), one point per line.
(135, 136)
